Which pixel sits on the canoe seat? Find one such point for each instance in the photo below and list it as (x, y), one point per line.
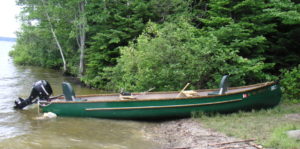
(190, 93)
(69, 93)
(223, 86)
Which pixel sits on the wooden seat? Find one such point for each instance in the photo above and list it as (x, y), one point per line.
(223, 86)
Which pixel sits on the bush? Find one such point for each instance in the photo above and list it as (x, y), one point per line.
(168, 57)
(291, 84)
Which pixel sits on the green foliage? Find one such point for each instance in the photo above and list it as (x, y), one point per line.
(30, 48)
(36, 44)
(169, 57)
(286, 10)
(118, 23)
(291, 84)
(137, 45)
(257, 28)
(284, 47)
(279, 138)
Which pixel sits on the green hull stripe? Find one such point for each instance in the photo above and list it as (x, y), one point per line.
(157, 107)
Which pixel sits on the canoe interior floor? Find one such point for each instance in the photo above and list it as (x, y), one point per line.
(162, 95)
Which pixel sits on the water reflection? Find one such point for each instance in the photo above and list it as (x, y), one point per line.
(19, 130)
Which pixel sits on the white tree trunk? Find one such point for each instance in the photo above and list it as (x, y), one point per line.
(56, 40)
(82, 32)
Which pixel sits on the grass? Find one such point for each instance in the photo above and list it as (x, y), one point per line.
(268, 127)
(279, 138)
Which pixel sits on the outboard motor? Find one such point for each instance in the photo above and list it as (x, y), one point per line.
(41, 89)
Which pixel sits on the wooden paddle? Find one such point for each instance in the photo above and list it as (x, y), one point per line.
(183, 90)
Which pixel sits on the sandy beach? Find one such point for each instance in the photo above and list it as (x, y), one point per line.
(190, 134)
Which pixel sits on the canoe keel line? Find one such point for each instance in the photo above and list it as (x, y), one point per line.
(159, 107)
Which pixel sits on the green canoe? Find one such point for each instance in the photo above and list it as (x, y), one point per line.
(158, 105)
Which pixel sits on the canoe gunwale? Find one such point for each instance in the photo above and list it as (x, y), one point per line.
(259, 86)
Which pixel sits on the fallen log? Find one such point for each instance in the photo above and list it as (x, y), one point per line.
(218, 144)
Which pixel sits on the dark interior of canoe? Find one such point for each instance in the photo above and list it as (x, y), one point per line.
(164, 95)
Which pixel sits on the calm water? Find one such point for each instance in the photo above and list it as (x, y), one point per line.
(19, 130)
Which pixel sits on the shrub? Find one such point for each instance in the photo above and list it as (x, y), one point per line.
(291, 84)
(168, 57)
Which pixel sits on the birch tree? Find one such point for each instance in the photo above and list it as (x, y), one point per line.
(54, 36)
(81, 27)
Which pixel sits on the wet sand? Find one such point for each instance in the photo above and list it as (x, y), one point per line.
(190, 134)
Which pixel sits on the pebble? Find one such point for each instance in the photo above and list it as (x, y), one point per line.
(294, 134)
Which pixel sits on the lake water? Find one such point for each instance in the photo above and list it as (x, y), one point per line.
(19, 129)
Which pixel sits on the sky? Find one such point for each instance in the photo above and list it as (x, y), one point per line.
(8, 12)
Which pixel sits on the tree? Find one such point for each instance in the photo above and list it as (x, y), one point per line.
(65, 21)
(257, 35)
(80, 23)
(82, 36)
(54, 36)
(112, 24)
(256, 28)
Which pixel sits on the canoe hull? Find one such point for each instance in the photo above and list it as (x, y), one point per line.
(265, 97)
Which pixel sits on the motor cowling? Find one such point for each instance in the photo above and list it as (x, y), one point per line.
(41, 90)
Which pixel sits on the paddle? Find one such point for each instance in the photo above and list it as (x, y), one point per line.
(183, 90)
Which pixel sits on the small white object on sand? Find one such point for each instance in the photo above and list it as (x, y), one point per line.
(48, 115)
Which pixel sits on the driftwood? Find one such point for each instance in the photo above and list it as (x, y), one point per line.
(255, 145)
(181, 148)
(231, 147)
(228, 147)
(249, 141)
(218, 144)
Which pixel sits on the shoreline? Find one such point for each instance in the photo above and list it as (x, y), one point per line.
(191, 134)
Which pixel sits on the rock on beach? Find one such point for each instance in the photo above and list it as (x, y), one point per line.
(294, 134)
